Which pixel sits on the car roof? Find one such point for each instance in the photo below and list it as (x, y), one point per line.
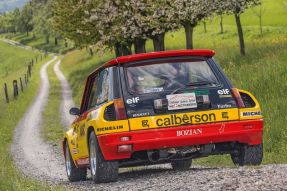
(152, 55)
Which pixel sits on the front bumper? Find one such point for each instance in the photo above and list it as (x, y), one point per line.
(248, 131)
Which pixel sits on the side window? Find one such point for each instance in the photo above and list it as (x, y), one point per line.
(103, 87)
(93, 94)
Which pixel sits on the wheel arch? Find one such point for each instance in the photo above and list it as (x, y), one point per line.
(90, 129)
(64, 146)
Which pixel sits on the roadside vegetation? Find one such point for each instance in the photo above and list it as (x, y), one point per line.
(10, 178)
(53, 130)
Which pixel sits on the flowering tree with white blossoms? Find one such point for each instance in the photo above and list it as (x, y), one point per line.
(189, 13)
(236, 7)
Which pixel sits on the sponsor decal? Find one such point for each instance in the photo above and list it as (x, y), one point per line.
(221, 130)
(82, 130)
(181, 101)
(250, 113)
(224, 93)
(133, 100)
(185, 119)
(141, 114)
(111, 128)
(75, 151)
(224, 115)
(188, 132)
(224, 106)
(145, 123)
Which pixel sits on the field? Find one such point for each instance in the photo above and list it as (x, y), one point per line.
(39, 42)
(262, 71)
(12, 65)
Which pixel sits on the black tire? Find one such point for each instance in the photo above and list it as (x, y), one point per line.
(73, 173)
(102, 171)
(248, 155)
(181, 165)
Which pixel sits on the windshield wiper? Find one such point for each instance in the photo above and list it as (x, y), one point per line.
(195, 84)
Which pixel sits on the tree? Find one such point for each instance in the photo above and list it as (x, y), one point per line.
(162, 20)
(189, 13)
(42, 19)
(259, 14)
(25, 20)
(70, 20)
(236, 7)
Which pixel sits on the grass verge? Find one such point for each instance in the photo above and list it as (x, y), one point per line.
(10, 178)
(52, 128)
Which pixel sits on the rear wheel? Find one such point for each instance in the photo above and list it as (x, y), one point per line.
(181, 165)
(73, 173)
(101, 170)
(248, 155)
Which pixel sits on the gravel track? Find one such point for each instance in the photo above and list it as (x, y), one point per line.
(38, 159)
(31, 154)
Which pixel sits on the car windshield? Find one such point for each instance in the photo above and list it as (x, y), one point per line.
(169, 76)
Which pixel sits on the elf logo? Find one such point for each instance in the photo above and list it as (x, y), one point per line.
(133, 100)
(223, 92)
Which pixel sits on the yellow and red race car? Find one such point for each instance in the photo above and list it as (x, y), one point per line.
(161, 107)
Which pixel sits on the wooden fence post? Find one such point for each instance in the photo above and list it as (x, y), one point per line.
(15, 88)
(21, 84)
(27, 76)
(26, 79)
(6, 93)
(29, 70)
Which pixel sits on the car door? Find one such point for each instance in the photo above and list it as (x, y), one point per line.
(98, 95)
(82, 122)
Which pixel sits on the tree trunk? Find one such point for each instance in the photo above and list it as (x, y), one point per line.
(240, 34)
(66, 43)
(126, 49)
(260, 20)
(47, 39)
(91, 51)
(261, 29)
(189, 35)
(204, 26)
(140, 45)
(56, 41)
(221, 24)
(27, 33)
(123, 49)
(158, 42)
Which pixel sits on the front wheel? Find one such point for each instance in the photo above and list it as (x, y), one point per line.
(101, 170)
(73, 173)
(248, 155)
(181, 165)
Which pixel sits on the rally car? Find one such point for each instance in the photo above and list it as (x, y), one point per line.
(160, 107)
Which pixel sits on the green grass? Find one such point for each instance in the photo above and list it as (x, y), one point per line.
(39, 42)
(10, 178)
(262, 71)
(52, 128)
(10, 62)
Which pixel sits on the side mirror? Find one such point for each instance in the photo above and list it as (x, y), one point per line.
(75, 111)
